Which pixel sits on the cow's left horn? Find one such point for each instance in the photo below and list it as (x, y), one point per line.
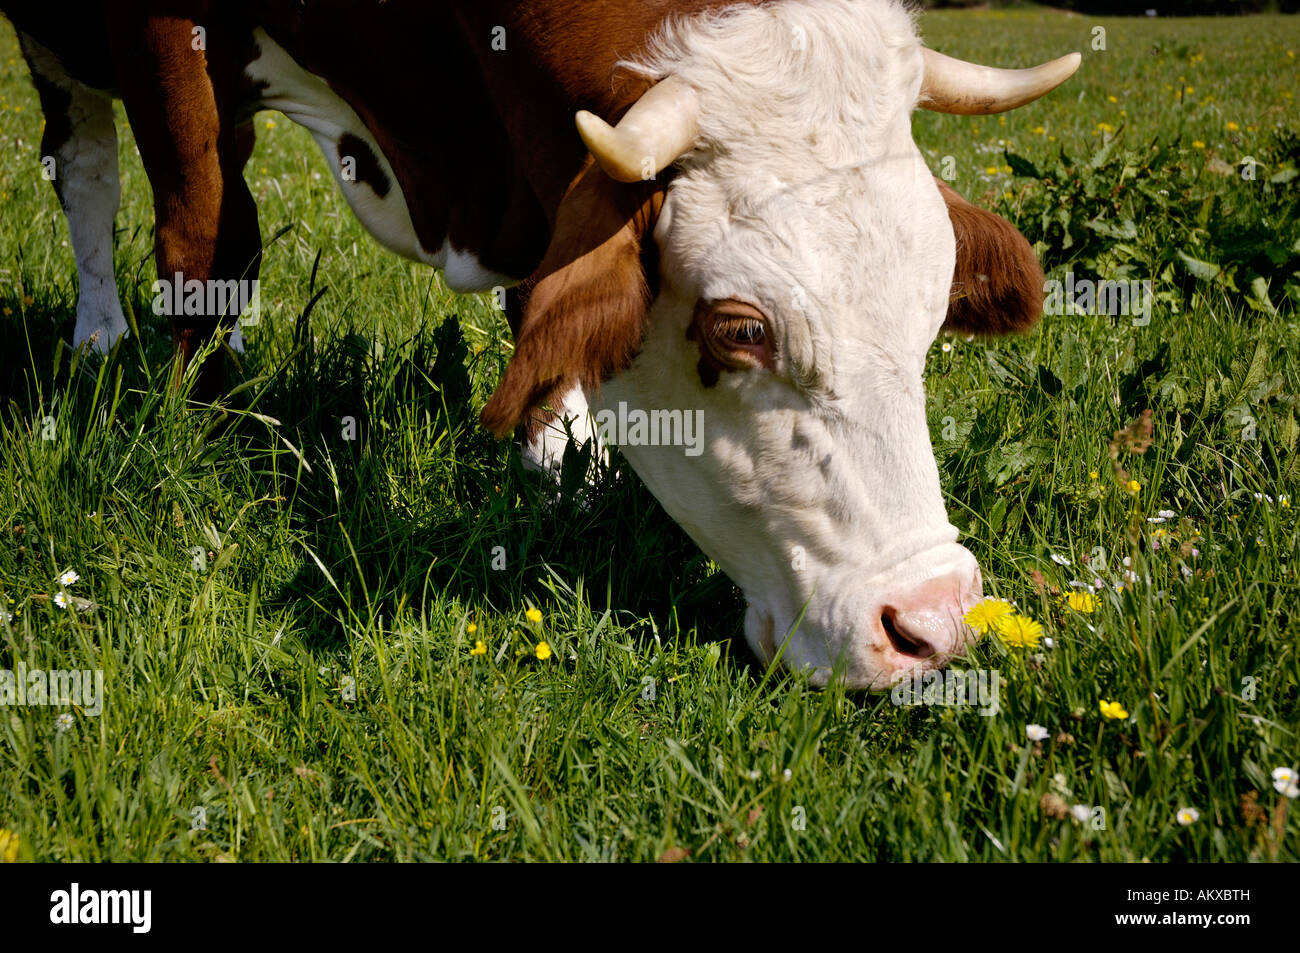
(955, 86)
(661, 126)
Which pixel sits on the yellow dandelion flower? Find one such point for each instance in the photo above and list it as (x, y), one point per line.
(480, 648)
(1093, 474)
(533, 615)
(991, 170)
(1133, 486)
(471, 628)
(1113, 710)
(8, 847)
(1019, 631)
(1197, 144)
(1039, 130)
(1111, 99)
(1084, 602)
(984, 616)
(1233, 127)
(543, 651)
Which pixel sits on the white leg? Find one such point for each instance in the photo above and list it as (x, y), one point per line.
(86, 181)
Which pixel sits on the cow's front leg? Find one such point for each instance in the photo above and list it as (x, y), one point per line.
(182, 82)
(81, 141)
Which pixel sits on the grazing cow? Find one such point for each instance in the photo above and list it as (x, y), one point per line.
(756, 241)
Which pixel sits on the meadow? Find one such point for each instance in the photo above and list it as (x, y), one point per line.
(284, 592)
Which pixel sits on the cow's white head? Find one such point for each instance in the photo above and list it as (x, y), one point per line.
(803, 261)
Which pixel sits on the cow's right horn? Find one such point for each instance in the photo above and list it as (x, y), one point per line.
(659, 128)
(955, 86)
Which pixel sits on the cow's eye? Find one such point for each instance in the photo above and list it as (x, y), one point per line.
(734, 333)
(743, 332)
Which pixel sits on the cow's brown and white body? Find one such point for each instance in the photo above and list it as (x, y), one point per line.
(781, 265)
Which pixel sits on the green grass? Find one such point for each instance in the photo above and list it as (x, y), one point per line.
(310, 683)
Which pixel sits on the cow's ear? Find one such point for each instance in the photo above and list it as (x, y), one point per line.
(584, 310)
(997, 286)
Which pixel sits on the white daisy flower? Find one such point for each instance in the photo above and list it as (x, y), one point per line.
(1285, 774)
(946, 347)
(1156, 519)
(1049, 642)
(69, 578)
(1188, 815)
(63, 723)
(1081, 813)
(787, 774)
(61, 600)
(1036, 732)
(1060, 560)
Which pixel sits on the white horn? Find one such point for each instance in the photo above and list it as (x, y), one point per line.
(659, 128)
(955, 86)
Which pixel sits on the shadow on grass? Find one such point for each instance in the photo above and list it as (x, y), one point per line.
(392, 493)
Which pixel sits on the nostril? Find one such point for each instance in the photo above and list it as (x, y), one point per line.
(903, 642)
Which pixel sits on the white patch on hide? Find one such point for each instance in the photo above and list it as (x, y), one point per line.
(309, 101)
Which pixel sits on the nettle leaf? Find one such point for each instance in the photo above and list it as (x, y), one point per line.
(1004, 374)
(1048, 381)
(1288, 432)
(1260, 300)
(1126, 229)
(1247, 377)
(1211, 399)
(1102, 155)
(1022, 166)
(1205, 270)
(1013, 458)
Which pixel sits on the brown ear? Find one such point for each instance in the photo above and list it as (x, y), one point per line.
(585, 308)
(997, 286)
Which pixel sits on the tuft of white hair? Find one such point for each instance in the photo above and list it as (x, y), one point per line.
(831, 75)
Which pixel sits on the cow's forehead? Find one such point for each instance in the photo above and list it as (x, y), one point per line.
(822, 76)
